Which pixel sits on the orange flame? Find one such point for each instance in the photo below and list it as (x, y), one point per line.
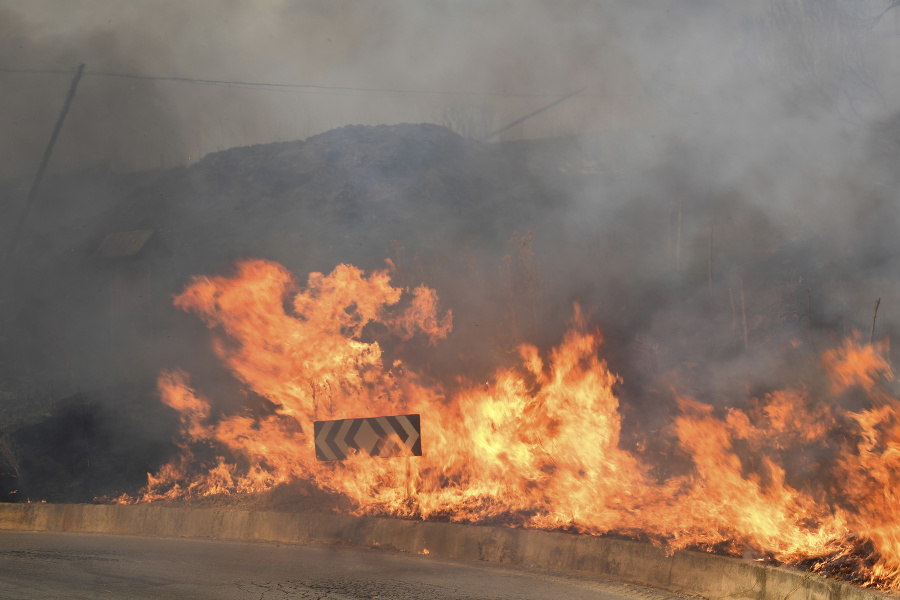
(856, 364)
(539, 444)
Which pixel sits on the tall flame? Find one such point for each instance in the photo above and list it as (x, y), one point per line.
(539, 444)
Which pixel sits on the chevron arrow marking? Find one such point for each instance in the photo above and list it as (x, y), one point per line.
(366, 438)
(412, 433)
(323, 450)
(383, 437)
(340, 440)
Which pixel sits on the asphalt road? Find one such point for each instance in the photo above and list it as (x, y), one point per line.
(59, 565)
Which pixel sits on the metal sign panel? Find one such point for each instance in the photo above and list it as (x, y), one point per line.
(382, 437)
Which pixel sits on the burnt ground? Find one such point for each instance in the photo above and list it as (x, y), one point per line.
(81, 449)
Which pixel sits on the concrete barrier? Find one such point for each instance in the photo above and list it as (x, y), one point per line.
(692, 573)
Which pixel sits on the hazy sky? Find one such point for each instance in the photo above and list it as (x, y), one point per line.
(719, 69)
(471, 51)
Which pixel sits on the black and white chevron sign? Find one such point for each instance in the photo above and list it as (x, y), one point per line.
(383, 437)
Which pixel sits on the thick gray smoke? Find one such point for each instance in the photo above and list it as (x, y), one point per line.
(465, 62)
(722, 164)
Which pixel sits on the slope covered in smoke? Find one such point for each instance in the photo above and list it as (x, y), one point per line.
(507, 234)
(77, 317)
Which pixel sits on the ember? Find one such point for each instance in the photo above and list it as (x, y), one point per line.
(539, 444)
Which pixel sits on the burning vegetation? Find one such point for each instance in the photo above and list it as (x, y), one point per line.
(727, 405)
(539, 444)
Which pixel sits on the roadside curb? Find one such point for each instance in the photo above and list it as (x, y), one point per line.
(692, 573)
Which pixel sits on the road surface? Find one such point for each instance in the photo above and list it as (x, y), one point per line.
(61, 565)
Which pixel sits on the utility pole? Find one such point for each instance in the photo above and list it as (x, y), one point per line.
(32, 194)
(874, 315)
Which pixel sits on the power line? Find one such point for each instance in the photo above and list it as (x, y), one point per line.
(528, 116)
(277, 86)
(39, 71)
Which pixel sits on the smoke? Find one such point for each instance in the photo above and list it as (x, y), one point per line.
(391, 62)
(723, 165)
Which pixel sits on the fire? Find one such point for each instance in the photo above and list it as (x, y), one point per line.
(756, 510)
(539, 444)
(856, 364)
